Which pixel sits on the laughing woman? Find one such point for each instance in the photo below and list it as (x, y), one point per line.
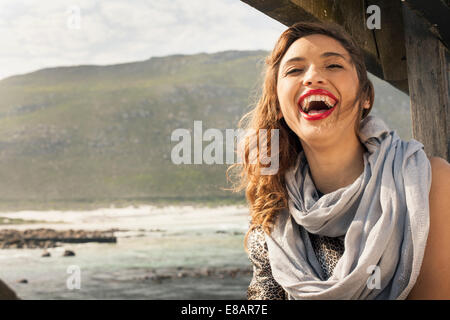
(353, 211)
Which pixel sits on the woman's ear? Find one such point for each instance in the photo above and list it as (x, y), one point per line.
(366, 104)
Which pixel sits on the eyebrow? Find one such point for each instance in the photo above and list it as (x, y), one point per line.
(323, 55)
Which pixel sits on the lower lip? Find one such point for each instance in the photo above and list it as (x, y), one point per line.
(317, 116)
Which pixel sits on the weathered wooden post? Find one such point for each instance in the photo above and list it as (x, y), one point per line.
(428, 78)
(411, 53)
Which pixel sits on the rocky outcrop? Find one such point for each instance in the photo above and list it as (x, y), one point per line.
(49, 238)
(68, 253)
(46, 254)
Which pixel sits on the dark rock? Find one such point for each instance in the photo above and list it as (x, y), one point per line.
(23, 281)
(48, 238)
(68, 253)
(160, 277)
(46, 254)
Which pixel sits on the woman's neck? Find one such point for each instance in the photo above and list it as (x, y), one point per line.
(337, 165)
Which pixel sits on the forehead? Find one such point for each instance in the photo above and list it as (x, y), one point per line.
(313, 46)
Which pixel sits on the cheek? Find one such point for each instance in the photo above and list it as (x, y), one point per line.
(347, 90)
(348, 85)
(280, 92)
(286, 106)
(285, 93)
(281, 98)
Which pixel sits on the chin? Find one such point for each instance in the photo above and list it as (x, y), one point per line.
(316, 134)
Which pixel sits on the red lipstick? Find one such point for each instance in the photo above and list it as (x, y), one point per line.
(316, 116)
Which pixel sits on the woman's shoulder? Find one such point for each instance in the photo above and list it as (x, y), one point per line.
(437, 250)
(440, 187)
(440, 167)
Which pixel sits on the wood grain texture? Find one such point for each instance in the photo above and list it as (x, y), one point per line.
(391, 41)
(437, 13)
(428, 73)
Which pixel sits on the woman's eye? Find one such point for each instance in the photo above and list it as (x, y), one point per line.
(294, 70)
(332, 66)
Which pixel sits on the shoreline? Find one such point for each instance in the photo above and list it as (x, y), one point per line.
(49, 238)
(7, 205)
(172, 219)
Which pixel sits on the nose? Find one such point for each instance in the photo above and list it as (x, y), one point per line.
(312, 76)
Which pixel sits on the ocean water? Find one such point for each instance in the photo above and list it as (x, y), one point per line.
(126, 269)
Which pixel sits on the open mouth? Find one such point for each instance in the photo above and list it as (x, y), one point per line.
(317, 104)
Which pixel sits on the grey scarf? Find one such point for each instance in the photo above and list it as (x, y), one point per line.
(383, 215)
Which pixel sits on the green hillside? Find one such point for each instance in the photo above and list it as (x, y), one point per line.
(95, 135)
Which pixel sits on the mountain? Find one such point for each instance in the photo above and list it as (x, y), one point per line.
(91, 135)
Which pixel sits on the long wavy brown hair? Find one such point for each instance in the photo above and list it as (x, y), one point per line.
(266, 194)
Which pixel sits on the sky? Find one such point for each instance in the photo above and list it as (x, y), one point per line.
(37, 34)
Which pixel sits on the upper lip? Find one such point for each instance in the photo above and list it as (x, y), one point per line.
(318, 92)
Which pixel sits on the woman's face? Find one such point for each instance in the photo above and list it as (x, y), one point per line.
(318, 62)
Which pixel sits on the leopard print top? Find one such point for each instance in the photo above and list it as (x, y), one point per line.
(263, 286)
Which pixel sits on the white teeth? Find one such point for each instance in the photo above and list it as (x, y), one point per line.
(327, 100)
(305, 102)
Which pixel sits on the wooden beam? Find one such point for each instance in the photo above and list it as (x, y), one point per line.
(437, 13)
(390, 42)
(428, 70)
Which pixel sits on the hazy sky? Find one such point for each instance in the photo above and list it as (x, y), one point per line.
(37, 34)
